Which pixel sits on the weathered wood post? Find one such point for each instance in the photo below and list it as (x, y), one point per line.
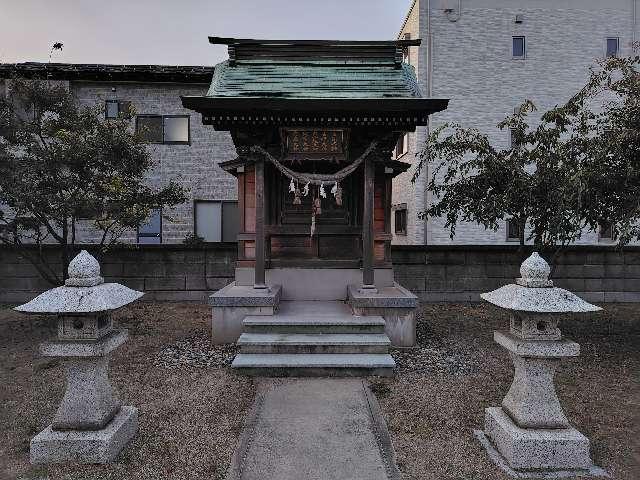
(368, 280)
(259, 282)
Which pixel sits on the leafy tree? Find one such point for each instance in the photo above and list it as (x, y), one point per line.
(61, 163)
(577, 169)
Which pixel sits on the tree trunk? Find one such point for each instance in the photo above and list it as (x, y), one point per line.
(64, 250)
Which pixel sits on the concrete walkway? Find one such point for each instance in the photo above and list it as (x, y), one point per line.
(314, 429)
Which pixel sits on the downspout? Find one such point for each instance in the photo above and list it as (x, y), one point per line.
(633, 33)
(428, 129)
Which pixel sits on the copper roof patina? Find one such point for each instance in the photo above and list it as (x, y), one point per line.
(314, 81)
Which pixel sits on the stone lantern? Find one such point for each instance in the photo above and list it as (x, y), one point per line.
(90, 425)
(530, 431)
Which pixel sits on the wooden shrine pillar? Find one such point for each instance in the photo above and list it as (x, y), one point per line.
(259, 279)
(368, 281)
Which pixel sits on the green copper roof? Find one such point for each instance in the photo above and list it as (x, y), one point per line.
(286, 80)
(282, 82)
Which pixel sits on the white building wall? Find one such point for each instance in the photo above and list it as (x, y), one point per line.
(472, 65)
(195, 166)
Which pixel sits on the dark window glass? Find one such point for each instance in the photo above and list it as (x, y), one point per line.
(513, 137)
(150, 127)
(401, 221)
(607, 231)
(513, 230)
(612, 46)
(176, 129)
(230, 224)
(518, 47)
(151, 230)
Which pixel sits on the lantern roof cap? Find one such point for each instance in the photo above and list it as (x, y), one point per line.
(535, 293)
(83, 292)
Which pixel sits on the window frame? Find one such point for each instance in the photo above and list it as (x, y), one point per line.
(524, 47)
(606, 47)
(195, 217)
(401, 208)
(162, 117)
(151, 235)
(607, 239)
(405, 146)
(119, 103)
(509, 222)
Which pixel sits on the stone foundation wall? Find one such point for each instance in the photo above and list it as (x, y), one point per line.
(434, 273)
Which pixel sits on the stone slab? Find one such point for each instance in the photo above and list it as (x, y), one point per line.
(536, 450)
(537, 348)
(77, 446)
(313, 339)
(314, 429)
(320, 284)
(79, 348)
(347, 360)
(246, 296)
(395, 296)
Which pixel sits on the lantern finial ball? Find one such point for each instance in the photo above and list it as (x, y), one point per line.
(84, 271)
(535, 272)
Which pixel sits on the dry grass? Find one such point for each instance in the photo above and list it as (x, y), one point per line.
(432, 416)
(190, 418)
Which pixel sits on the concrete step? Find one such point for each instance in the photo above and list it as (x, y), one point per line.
(312, 324)
(320, 364)
(314, 343)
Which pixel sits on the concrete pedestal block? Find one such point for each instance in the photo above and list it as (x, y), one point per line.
(86, 446)
(395, 304)
(233, 303)
(536, 449)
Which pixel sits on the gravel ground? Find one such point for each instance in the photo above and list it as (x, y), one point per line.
(192, 406)
(190, 417)
(442, 388)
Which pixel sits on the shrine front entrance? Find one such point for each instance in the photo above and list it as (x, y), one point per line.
(314, 124)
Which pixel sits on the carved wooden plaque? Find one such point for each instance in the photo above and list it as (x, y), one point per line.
(315, 144)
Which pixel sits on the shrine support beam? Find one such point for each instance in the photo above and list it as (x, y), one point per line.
(259, 279)
(368, 280)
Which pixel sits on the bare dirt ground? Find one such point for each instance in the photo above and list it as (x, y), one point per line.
(432, 411)
(190, 417)
(192, 406)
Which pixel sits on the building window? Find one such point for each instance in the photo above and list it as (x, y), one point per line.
(216, 221)
(607, 232)
(150, 232)
(400, 220)
(513, 231)
(166, 129)
(518, 47)
(402, 146)
(513, 138)
(116, 108)
(613, 46)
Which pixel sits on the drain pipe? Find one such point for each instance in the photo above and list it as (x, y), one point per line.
(428, 126)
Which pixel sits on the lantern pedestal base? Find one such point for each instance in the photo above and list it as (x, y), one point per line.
(533, 452)
(86, 446)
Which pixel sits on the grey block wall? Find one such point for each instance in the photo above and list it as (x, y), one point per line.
(436, 274)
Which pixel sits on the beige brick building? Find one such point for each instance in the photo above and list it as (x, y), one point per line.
(184, 150)
(488, 56)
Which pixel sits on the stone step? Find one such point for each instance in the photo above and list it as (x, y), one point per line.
(313, 343)
(313, 365)
(311, 324)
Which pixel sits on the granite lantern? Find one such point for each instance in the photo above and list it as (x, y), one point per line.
(530, 431)
(90, 425)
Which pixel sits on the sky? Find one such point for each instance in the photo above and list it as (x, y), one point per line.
(174, 32)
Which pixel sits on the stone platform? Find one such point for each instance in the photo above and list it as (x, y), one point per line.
(535, 453)
(86, 446)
